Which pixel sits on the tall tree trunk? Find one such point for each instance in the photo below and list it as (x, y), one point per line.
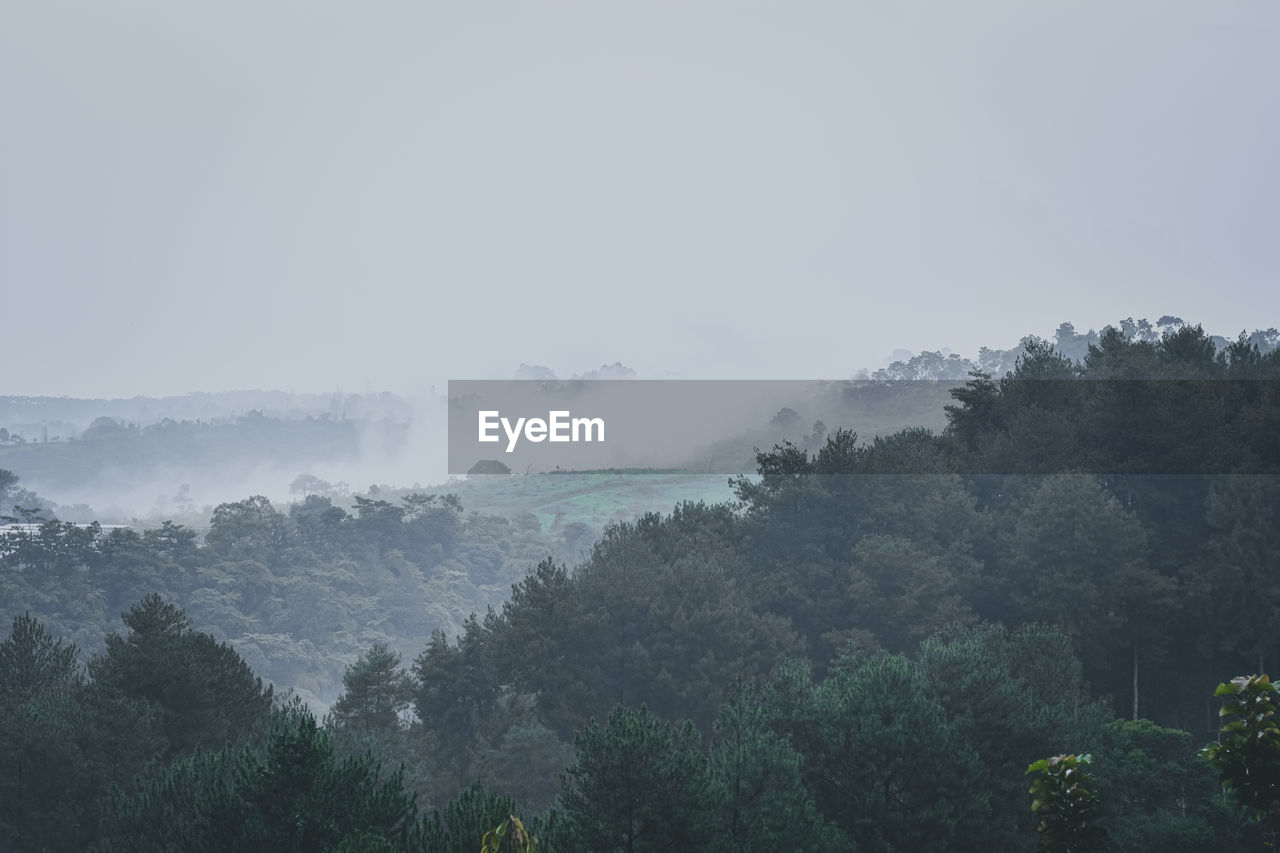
(1135, 681)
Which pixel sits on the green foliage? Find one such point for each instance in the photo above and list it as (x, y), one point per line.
(62, 743)
(376, 692)
(903, 592)
(509, 836)
(248, 529)
(1247, 752)
(60, 751)
(469, 819)
(455, 690)
(1009, 694)
(488, 467)
(880, 759)
(1071, 554)
(203, 693)
(655, 617)
(636, 784)
(31, 660)
(300, 595)
(757, 796)
(519, 755)
(290, 794)
(1158, 793)
(1239, 583)
(1062, 797)
(836, 547)
(8, 479)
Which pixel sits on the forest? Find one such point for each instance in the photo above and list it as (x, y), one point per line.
(863, 649)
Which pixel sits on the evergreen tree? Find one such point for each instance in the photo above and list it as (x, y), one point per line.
(1009, 695)
(292, 794)
(757, 795)
(63, 743)
(884, 764)
(204, 694)
(31, 660)
(637, 784)
(376, 691)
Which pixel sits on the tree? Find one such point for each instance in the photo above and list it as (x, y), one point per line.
(454, 691)
(903, 591)
(309, 485)
(32, 667)
(250, 529)
(637, 784)
(379, 524)
(204, 693)
(469, 818)
(655, 617)
(32, 661)
(1247, 752)
(976, 414)
(290, 794)
(882, 761)
(1064, 800)
(1072, 555)
(376, 691)
(1157, 793)
(823, 534)
(758, 799)
(489, 467)
(1238, 586)
(318, 523)
(61, 751)
(1009, 695)
(8, 479)
(510, 836)
(63, 743)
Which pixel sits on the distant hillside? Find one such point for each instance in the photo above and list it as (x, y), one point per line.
(61, 418)
(591, 498)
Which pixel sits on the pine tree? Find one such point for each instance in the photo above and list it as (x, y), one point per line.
(637, 784)
(293, 794)
(31, 660)
(376, 691)
(204, 694)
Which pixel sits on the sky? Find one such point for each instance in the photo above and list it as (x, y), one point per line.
(314, 195)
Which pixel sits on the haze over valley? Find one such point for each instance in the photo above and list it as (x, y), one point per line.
(936, 349)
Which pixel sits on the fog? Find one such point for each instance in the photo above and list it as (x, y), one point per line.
(347, 207)
(315, 196)
(149, 462)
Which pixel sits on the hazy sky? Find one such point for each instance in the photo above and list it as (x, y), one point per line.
(311, 196)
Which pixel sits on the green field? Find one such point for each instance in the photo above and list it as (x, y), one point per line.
(594, 498)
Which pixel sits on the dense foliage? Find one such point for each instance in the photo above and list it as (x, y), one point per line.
(300, 594)
(864, 652)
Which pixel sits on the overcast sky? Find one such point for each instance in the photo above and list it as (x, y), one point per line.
(312, 196)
